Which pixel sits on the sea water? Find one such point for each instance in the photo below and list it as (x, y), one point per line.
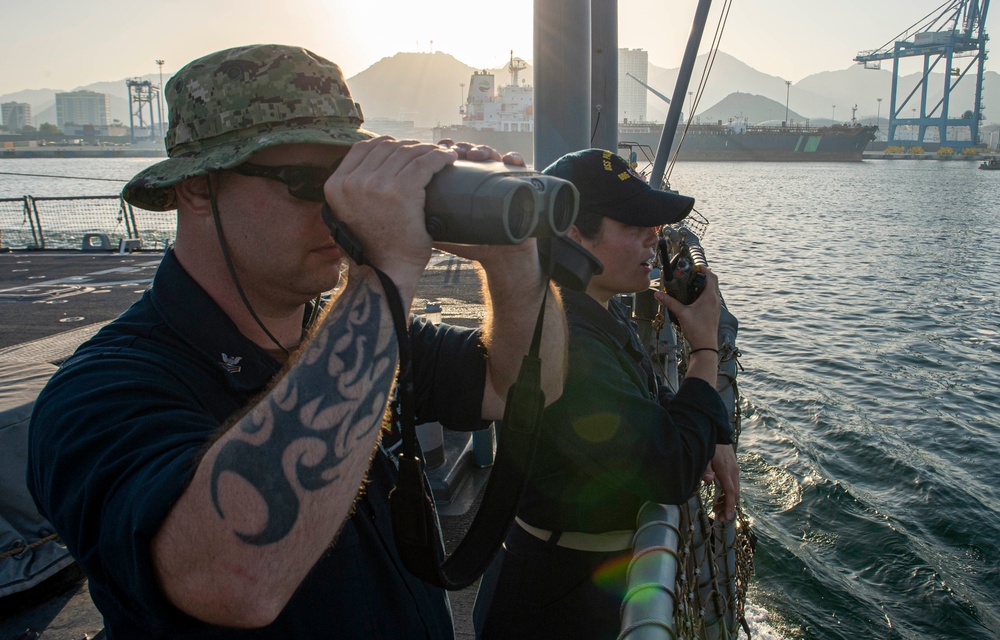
(868, 296)
(73, 177)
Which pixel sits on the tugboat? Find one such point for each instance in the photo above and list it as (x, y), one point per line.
(993, 164)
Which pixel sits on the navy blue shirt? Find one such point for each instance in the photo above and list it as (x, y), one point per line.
(117, 432)
(616, 438)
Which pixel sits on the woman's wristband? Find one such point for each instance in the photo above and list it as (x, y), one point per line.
(693, 351)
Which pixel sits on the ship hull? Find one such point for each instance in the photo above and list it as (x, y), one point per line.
(760, 144)
(707, 143)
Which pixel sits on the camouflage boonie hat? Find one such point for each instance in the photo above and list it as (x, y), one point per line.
(228, 105)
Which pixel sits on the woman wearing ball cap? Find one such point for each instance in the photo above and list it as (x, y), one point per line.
(616, 438)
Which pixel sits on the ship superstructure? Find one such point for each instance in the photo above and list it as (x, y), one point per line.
(508, 108)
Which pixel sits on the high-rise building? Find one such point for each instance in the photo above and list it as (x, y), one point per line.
(83, 107)
(632, 95)
(16, 115)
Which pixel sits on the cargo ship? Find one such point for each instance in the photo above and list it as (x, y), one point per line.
(503, 118)
(499, 116)
(739, 141)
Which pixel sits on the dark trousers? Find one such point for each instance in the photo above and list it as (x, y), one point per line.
(535, 589)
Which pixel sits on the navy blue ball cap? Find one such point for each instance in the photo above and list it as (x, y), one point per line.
(609, 187)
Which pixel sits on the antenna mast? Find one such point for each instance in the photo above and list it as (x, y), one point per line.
(516, 66)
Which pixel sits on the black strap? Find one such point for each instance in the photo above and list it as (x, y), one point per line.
(417, 536)
(414, 517)
(344, 238)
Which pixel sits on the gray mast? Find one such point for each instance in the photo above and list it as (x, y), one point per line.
(604, 80)
(683, 80)
(562, 46)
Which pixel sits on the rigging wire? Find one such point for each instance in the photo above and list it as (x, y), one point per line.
(597, 122)
(709, 63)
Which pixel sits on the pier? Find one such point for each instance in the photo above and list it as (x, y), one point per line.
(882, 155)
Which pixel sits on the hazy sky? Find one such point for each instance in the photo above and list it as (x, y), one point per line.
(63, 44)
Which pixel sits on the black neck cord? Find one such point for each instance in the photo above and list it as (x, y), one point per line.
(232, 269)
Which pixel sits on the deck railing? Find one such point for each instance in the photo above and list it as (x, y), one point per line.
(82, 222)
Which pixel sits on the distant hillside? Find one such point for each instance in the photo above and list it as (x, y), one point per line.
(43, 101)
(860, 86)
(728, 75)
(821, 96)
(423, 87)
(428, 88)
(749, 108)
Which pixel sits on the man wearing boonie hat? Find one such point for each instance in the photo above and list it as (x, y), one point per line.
(212, 458)
(616, 438)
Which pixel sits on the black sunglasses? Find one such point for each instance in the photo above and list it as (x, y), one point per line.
(304, 182)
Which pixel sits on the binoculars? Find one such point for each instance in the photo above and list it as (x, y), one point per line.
(494, 203)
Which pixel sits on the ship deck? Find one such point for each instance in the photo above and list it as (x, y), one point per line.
(51, 301)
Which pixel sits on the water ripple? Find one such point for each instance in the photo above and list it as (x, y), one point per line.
(869, 310)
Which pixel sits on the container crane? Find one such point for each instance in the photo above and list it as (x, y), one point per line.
(142, 94)
(955, 30)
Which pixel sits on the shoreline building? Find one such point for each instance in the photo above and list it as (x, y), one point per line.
(83, 107)
(16, 115)
(632, 96)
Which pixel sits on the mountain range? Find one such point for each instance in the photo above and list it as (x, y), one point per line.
(428, 88)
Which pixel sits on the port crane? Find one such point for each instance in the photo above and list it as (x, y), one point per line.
(141, 95)
(954, 31)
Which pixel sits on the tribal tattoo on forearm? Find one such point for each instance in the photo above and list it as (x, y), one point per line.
(332, 399)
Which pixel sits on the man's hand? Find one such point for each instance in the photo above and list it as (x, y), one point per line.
(481, 153)
(378, 193)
